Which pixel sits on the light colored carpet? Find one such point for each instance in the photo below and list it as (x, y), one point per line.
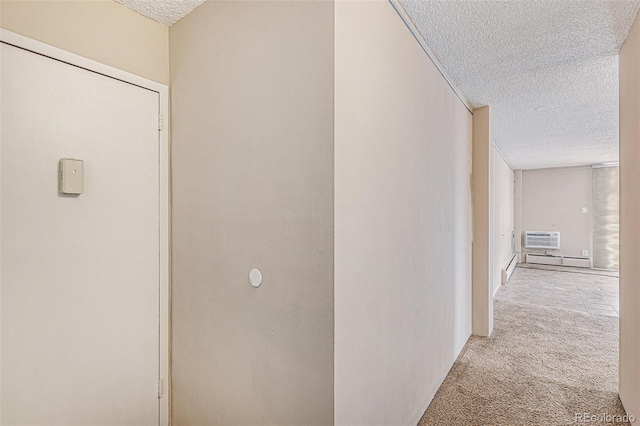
(540, 367)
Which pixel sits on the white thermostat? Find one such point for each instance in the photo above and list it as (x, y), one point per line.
(71, 176)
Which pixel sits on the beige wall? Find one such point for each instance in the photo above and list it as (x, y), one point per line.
(252, 108)
(630, 222)
(517, 214)
(482, 222)
(552, 200)
(502, 213)
(102, 30)
(402, 220)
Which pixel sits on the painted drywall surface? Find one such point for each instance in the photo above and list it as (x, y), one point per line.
(630, 222)
(252, 109)
(402, 220)
(101, 30)
(502, 213)
(552, 200)
(517, 214)
(482, 302)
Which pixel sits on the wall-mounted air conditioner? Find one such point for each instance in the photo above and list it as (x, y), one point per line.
(542, 240)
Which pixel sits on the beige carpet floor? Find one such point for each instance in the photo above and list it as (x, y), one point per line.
(541, 366)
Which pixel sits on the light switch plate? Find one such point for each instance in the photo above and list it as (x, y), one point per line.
(585, 253)
(71, 176)
(585, 210)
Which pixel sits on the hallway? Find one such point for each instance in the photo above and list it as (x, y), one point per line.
(337, 187)
(541, 366)
(552, 356)
(571, 289)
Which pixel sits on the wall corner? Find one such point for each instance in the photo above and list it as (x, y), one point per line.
(482, 298)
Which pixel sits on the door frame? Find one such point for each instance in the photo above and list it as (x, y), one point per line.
(25, 43)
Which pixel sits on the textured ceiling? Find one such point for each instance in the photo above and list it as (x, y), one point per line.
(166, 12)
(547, 68)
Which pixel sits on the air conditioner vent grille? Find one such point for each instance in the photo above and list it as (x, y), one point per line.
(542, 240)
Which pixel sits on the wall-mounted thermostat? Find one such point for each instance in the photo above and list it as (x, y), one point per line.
(71, 176)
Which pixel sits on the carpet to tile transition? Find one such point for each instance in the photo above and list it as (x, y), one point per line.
(540, 366)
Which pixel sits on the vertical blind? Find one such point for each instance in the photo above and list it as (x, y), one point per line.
(606, 217)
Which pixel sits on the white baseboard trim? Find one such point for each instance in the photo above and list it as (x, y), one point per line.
(579, 262)
(509, 268)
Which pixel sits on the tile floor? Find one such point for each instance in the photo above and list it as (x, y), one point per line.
(593, 294)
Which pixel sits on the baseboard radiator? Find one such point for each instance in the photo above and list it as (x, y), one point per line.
(508, 270)
(579, 262)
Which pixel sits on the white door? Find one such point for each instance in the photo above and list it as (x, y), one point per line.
(79, 277)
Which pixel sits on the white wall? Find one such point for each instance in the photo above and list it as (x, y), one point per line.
(102, 30)
(502, 213)
(493, 220)
(630, 222)
(252, 108)
(402, 220)
(517, 214)
(482, 253)
(552, 200)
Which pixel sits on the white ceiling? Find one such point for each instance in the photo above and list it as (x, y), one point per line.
(547, 68)
(166, 12)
